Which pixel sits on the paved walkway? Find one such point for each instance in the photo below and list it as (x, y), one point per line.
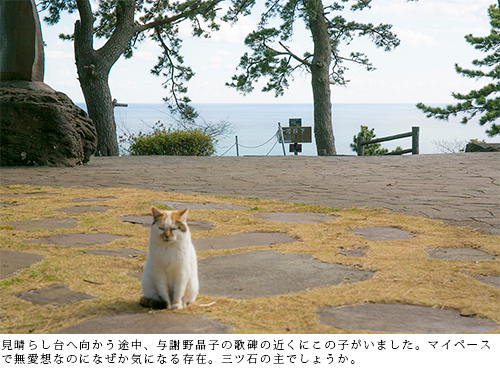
(461, 189)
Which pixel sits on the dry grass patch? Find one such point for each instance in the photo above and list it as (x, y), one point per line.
(404, 273)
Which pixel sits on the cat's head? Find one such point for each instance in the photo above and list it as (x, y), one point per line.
(170, 225)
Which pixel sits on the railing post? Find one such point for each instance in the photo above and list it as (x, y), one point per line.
(282, 138)
(359, 143)
(414, 140)
(237, 148)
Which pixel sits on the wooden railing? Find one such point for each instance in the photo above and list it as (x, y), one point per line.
(414, 142)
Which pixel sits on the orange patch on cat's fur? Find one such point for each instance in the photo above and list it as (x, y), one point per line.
(158, 214)
(176, 216)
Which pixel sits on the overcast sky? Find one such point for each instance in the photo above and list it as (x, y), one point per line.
(421, 69)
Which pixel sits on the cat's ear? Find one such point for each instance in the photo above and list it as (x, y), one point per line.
(184, 214)
(156, 213)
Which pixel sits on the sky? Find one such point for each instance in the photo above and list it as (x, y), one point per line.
(421, 69)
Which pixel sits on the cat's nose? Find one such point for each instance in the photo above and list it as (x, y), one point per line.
(168, 235)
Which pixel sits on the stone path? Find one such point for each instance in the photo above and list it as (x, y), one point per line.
(461, 189)
(382, 233)
(45, 224)
(455, 188)
(77, 239)
(402, 318)
(84, 209)
(241, 241)
(12, 261)
(57, 295)
(297, 218)
(140, 323)
(270, 273)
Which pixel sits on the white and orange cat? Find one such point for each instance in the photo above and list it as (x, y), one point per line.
(170, 278)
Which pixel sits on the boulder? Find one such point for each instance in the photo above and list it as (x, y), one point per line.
(39, 126)
(482, 147)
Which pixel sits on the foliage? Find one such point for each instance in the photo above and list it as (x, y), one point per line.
(485, 101)
(373, 148)
(274, 59)
(168, 141)
(157, 19)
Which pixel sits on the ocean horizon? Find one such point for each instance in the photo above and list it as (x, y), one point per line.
(255, 125)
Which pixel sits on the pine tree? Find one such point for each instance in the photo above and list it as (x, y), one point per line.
(124, 24)
(274, 59)
(371, 149)
(484, 102)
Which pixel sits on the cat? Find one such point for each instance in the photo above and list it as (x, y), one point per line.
(170, 277)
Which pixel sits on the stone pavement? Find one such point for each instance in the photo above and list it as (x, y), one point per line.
(461, 189)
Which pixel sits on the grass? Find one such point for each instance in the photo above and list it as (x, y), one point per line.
(404, 273)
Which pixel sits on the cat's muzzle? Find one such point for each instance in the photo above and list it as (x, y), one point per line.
(168, 238)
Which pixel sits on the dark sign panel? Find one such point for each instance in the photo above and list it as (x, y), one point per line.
(297, 134)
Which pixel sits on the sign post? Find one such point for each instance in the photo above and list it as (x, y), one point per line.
(295, 135)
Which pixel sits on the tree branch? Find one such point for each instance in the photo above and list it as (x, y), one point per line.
(161, 22)
(289, 52)
(181, 16)
(167, 52)
(84, 26)
(122, 34)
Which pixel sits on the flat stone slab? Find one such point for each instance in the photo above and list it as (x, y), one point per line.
(78, 239)
(147, 220)
(402, 318)
(84, 209)
(299, 218)
(119, 253)
(381, 233)
(57, 295)
(356, 252)
(200, 206)
(143, 323)
(44, 224)
(269, 273)
(12, 261)
(242, 240)
(458, 254)
(93, 199)
(491, 280)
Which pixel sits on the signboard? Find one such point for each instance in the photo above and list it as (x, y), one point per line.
(295, 147)
(296, 134)
(295, 122)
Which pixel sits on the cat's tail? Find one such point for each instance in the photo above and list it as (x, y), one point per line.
(152, 303)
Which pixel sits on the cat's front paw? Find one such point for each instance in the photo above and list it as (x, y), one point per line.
(176, 306)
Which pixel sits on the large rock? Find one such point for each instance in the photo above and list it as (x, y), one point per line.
(40, 126)
(482, 147)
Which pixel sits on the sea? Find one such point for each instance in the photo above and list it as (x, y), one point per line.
(254, 126)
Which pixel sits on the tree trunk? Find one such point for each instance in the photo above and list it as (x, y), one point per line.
(97, 95)
(93, 67)
(320, 80)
